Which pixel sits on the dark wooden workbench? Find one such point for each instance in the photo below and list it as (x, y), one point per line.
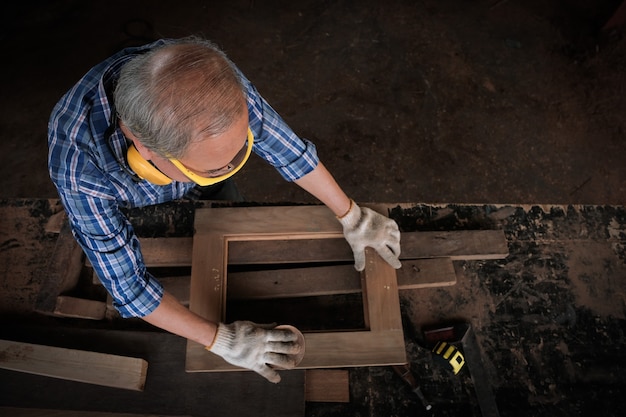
(550, 318)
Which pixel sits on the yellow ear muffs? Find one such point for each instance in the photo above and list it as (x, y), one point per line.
(144, 169)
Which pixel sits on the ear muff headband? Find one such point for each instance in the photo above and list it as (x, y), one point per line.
(145, 170)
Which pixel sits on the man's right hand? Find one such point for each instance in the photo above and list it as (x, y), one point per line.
(258, 347)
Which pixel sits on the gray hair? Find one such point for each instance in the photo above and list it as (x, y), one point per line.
(184, 90)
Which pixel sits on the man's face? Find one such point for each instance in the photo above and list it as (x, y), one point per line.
(207, 157)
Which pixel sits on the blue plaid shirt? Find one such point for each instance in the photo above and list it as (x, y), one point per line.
(87, 164)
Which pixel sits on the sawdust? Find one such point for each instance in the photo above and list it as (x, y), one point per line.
(597, 278)
(467, 300)
(546, 316)
(24, 252)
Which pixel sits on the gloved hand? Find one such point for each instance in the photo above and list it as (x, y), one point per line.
(257, 347)
(364, 227)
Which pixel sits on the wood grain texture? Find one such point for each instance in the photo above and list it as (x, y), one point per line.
(261, 223)
(323, 350)
(457, 245)
(208, 285)
(79, 308)
(383, 344)
(170, 251)
(316, 281)
(74, 365)
(331, 280)
(327, 385)
(381, 298)
(426, 273)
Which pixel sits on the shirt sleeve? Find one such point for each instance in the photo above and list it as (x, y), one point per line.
(108, 240)
(274, 141)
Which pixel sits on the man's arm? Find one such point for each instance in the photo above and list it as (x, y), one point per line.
(172, 316)
(114, 252)
(321, 184)
(259, 347)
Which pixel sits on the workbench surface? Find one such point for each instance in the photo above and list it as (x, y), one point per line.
(549, 319)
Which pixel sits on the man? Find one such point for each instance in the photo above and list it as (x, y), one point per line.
(150, 124)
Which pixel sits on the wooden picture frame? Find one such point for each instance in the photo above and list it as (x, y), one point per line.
(382, 343)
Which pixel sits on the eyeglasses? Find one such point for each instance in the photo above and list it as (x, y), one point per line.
(220, 174)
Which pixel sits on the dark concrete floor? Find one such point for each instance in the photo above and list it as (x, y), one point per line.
(468, 102)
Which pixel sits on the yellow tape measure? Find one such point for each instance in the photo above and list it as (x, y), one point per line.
(450, 355)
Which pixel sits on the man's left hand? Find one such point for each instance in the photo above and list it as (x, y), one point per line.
(363, 227)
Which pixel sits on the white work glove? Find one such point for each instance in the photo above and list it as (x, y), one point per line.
(257, 347)
(363, 227)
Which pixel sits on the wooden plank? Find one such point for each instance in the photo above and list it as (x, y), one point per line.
(327, 385)
(347, 349)
(170, 251)
(457, 245)
(63, 271)
(267, 223)
(426, 273)
(74, 365)
(331, 280)
(323, 350)
(290, 251)
(293, 282)
(208, 289)
(79, 308)
(380, 298)
(316, 281)
(40, 412)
